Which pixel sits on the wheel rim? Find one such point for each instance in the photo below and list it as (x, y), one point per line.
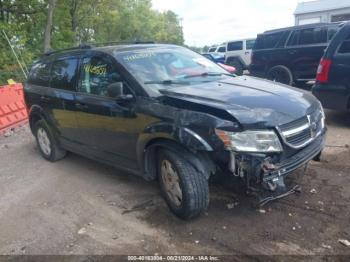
(44, 141)
(279, 76)
(171, 182)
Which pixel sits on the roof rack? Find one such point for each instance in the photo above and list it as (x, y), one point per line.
(91, 45)
(81, 46)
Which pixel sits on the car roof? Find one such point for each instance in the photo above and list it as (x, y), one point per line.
(242, 39)
(300, 27)
(108, 49)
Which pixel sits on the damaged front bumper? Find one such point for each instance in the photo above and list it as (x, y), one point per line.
(264, 176)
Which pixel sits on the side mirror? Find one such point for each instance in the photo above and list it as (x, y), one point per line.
(116, 90)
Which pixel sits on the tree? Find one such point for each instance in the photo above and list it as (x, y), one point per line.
(34, 26)
(47, 37)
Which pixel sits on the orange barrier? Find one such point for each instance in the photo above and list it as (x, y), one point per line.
(13, 111)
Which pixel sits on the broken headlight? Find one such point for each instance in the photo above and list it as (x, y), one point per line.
(265, 141)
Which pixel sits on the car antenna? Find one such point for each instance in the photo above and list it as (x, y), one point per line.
(14, 53)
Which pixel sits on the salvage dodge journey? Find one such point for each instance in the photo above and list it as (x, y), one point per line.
(169, 114)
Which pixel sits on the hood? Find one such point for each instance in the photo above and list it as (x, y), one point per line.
(250, 100)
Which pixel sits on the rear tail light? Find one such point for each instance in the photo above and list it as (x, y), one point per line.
(323, 70)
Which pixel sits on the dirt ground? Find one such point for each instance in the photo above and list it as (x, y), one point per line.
(77, 206)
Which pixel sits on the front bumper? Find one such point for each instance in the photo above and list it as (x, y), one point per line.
(264, 176)
(298, 160)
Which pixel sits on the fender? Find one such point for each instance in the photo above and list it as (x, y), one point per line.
(37, 112)
(174, 137)
(230, 58)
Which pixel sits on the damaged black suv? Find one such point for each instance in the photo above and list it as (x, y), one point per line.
(164, 112)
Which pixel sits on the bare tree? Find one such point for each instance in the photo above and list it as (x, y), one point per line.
(47, 37)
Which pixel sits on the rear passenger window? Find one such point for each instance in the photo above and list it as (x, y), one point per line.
(266, 41)
(211, 50)
(294, 38)
(345, 46)
(250, 44)
(312, 36)
(235, 46)
(63, 74)
(222, 49)
(40, 74)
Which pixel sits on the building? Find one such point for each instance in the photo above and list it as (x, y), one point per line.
(322, 11)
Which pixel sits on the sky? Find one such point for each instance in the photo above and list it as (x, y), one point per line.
(207, 22)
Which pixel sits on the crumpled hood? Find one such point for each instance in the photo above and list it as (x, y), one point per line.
(250, 100)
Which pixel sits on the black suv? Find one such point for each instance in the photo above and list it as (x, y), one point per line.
(333, 75)
(164, 112)
(291, 55)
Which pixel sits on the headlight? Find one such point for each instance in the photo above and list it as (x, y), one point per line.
(250, 141)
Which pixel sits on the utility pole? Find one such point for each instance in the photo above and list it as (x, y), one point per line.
(14, 53)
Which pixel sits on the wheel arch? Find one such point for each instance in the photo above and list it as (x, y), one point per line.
(200, 160)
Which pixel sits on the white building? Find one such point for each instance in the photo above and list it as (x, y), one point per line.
(322, 11)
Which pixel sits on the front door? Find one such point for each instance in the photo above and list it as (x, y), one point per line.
(108, 125)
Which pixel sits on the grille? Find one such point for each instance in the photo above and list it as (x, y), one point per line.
(302, 131)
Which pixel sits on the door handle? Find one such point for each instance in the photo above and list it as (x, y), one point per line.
(292, 52)
(81, 106)
(45, 99)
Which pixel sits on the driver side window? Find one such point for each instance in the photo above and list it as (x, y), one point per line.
(97, 74)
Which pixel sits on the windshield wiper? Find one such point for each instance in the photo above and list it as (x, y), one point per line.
(208, 74)
(167, 82)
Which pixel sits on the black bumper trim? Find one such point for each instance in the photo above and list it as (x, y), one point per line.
(298, 160)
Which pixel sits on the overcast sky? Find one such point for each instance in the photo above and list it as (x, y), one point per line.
(209, 22)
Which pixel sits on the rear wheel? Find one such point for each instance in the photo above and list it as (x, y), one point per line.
(185, 190)
(238, 65)
(280, 74)
(46, 142)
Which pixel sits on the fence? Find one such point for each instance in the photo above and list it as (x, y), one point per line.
(13, 111)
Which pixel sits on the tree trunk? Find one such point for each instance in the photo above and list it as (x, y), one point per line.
(47, 37)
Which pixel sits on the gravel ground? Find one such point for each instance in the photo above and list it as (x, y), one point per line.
(77, 206)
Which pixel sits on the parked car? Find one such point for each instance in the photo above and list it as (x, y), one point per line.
(212, 49)
(238, 54)
(332, 86)
(291, 55)
(215, 57)
(165, 112)
(221, 49)
(220, 60)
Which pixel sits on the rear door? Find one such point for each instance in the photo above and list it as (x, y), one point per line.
(61, 99)
(235, 49)
(52, 86)
(305, 48)
(248, 46)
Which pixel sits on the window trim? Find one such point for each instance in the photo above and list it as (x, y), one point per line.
(75, 86)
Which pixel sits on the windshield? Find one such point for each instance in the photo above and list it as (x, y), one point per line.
(159, 67)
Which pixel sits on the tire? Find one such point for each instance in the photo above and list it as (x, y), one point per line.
(280, 74)
(192, 187)
(47, 143)
(238, 65)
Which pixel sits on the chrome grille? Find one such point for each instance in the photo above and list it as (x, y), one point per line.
(302, 131)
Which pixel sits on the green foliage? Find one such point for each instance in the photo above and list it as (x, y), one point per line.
(78, 21)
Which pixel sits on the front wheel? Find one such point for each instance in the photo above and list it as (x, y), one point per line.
(185, 190)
